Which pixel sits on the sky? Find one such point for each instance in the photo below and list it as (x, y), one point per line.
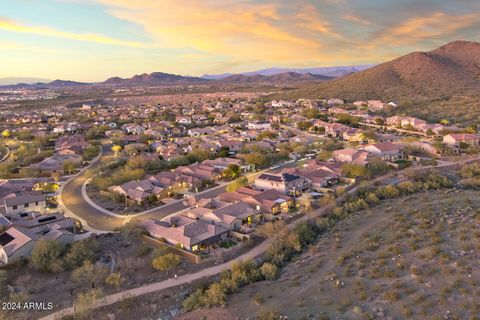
(92, 40)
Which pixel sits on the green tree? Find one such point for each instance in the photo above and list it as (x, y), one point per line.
(232, 171)
(166, 262)
(256, 159)
(237, 184)
(90, 152)
(89, 273)
(215, 295)
(80, 251)
(304, 125)
(269, 271)
(351, 170)
(69, 166)
(45, 254)
(377, 166)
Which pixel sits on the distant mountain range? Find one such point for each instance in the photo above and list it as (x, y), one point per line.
(45, 85)
(452, 69)
(324, 71)
(285, 77)
(271, 76)
(151, 79)
(26, 80)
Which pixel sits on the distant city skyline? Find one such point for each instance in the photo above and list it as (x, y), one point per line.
(91, 40)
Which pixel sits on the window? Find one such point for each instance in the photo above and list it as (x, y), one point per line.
(26, 205)
(15, 207)
(36, 203)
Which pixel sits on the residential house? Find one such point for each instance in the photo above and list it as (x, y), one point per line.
(139, 191)
(457, 139)
(133, 128)
(386, 150)
(336, 130)
(24, 201)
(350, 155)
(233, 216)
(15, 245)
(55, 163)
(188, 233)
(183, 120)
(223, 163)
(285, 183)
(257, 125)
(75, 143)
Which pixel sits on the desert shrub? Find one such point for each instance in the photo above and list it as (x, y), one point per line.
(387, 192)
(46, 254)
(80, 251)
(269, 271)
(267, 314)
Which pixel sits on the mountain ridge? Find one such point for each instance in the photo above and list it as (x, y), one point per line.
(335, 71)
(452, 69)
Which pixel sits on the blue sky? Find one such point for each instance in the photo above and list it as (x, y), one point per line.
(90, 40)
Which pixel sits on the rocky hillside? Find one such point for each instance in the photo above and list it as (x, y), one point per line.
(453, 69)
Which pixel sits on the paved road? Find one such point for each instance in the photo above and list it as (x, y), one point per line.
(71, 196)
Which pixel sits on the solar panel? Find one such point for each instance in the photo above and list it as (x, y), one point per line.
(5, 239)
(42, 220)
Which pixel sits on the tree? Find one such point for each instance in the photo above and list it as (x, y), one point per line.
(266, 135)
(237, 184)
(6, 133)
(45, 254)
(377, 166)
(90, 273)
(114, 279)
(269, 271)
(131, 230)
(324, 155)
(369, 135)
(272, 229)
(166, 262)
(90, 152)
(80, 251)
(232, 171)
(116, 149)
(304, 125)
(256, 159)
(351, 170)
(215, 295)
(69, 166)
(305, 202)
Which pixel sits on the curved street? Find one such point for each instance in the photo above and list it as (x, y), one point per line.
(76, 205)
(80, 206)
